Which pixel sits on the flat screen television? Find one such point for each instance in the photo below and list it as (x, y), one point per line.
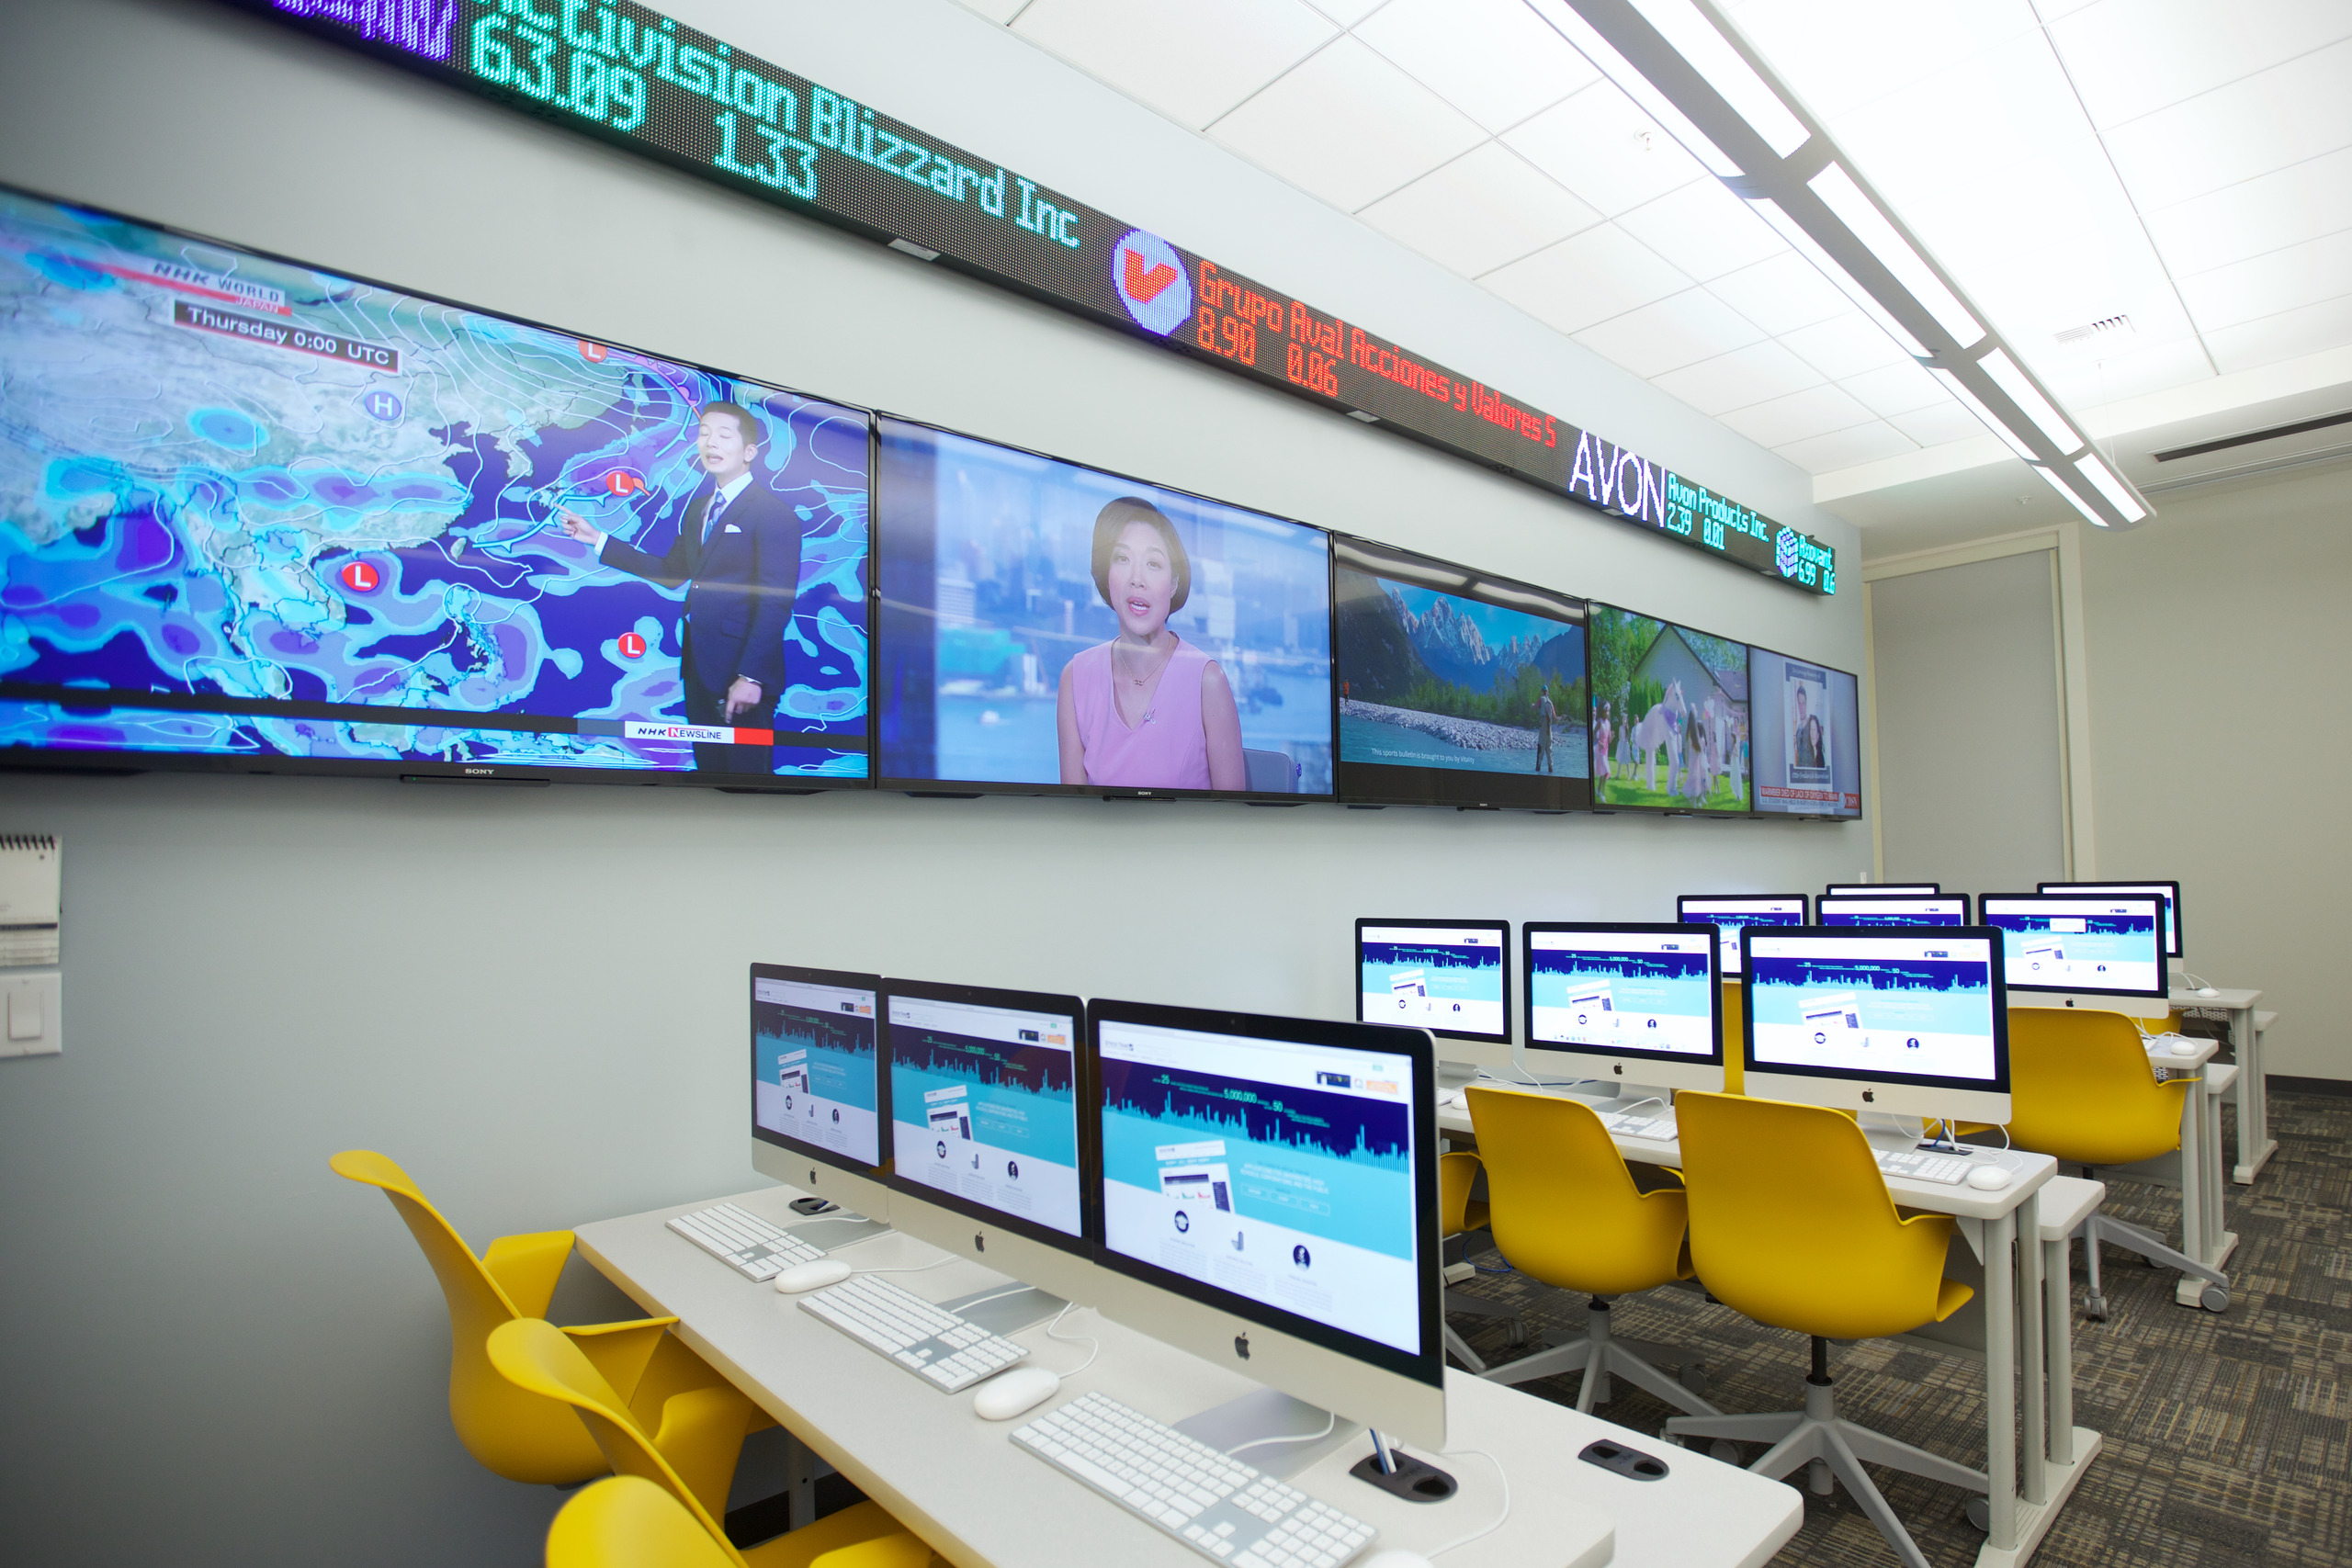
(1049, 627)
(1456, 688)
(1669, 716)
(266, 518)
(1806, 720)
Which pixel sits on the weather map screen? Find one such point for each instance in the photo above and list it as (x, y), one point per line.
(984, 1107)
(265, 515)
(1669, 715)
(1808, 727)
(1050, 626)
(1449, 979)
(1456, 689)
(2079, 944)
(1277, 1171)
(1936, 912)
(1626, 989)
(1732, 916)
(1902, 1004)
(814, 1078)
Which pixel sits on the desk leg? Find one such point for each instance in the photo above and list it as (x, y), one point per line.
(2000, 1378)
(2224, 1241)
(2192, 1167)
(2058, 1319)
(2255, 1145)
(800, 1480)
(2035, 1441)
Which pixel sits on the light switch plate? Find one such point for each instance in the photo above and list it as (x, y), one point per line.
(30, 1005)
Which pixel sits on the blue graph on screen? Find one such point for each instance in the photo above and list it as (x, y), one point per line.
(1463, 974)
(841, 1052)
(1020, 1096)
(1948, 996)
(1333, 1166)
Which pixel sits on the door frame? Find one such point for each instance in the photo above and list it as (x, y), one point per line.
(2063, 543)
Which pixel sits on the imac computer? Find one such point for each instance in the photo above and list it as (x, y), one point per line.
(1912, 1022)
(1269, 1202)
(1633, 1004)
(1885, 909)
(1450, 978)
(984, 1128)
(819, 1101)
(1731, 914)
(1882, 890)
(2100, 950)
(2168, 891)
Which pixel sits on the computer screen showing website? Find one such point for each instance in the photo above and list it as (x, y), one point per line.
(1447, 978)
(1731, 916)
(1951, 911)
(813, 1074)
(1280, 1171)
(2168, 891)
(984, 1107)
(1914, 1005)
(1620, 991)
(2066, 943)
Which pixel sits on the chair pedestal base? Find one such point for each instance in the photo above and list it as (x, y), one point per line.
(2212, 1295)
(1832, 1447)
(1475, 1306)
(1598, 1355)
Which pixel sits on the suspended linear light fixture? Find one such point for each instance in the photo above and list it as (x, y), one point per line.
(1690, 69)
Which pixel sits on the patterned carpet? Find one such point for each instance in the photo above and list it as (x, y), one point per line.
(2229, 1438)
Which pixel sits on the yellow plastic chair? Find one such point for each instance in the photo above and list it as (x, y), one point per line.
(1457, 1174)
(522, 1436)
(626, 1521)
(2083, 1091)
(536, 1357)
(1734, 1029)
(1791, 1226)
(1565, 1212)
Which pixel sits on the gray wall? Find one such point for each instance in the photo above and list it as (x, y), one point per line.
(220, 1353)
(1970, 734)
(2219, 637)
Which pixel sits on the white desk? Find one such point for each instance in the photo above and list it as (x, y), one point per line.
(1991, 1224)
(2255, 1145)
(959, 1483)
(2203, 1234)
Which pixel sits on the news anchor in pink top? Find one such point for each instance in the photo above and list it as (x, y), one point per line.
(1146, 710)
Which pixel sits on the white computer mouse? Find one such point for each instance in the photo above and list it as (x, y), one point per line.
(1989, 1177)
(1396, 1557)
(1007, 1395)
(2207, 991)
(2183, 1047)
(814, 1275)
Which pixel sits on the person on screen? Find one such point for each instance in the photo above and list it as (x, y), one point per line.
(1602, 736)
(1146, 710)
(1545, 715)
(738, 551)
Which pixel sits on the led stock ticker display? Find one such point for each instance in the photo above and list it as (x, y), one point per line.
(631, 74)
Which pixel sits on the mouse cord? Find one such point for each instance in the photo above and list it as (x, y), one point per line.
(1330, 1425)
(1483, 1529)
(1645, 1100)
(1073, 1338)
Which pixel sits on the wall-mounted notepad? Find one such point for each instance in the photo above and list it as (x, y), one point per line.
(28, 913)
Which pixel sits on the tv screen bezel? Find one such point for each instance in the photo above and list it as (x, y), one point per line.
(1861, 771)
(1592, 701)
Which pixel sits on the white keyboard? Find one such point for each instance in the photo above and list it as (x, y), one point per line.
(1627, 1125)
(744, 1241)
(1918, 1165)
(1218, 1506)
(923, 1338)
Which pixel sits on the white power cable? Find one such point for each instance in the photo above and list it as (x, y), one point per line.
(1483, 1531)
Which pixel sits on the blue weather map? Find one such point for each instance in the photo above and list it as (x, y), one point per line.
(259, 496)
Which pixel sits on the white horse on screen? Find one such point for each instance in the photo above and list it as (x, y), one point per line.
(1660, 730)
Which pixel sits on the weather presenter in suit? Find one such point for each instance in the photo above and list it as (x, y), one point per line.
(738, 552)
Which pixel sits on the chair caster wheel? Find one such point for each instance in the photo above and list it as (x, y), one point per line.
(1518, 1336)
(2214, 1298)
(1694, 1378)
(1980, 1513)
(2095, 1308)
(1728, 1452)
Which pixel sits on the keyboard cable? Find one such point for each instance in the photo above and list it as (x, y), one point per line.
(1483, 1531)
(1330, 1422)
(1072, 1339)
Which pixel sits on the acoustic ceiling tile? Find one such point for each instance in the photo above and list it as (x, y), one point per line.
(1486, 207)
(1348, 126)
(1191, 60)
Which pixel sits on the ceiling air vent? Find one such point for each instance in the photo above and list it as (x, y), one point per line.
(2105, 327)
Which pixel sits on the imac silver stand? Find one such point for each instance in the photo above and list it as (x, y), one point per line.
(838, 1230)
(1006, 1309)
(1269, 1430)
(1451, 1074)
